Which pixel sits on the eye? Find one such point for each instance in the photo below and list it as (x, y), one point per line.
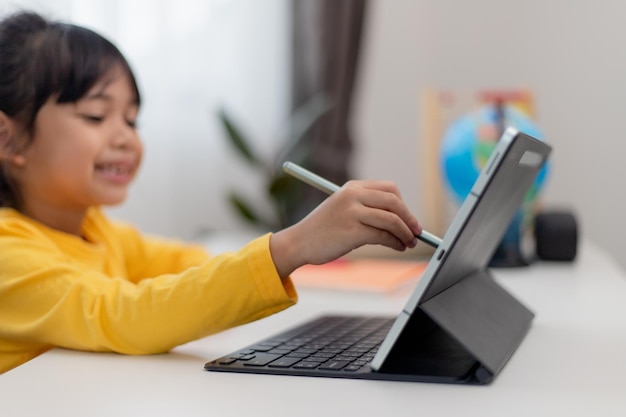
(132, 123)
(92, 118)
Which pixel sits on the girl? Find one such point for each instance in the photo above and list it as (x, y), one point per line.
(71, 277)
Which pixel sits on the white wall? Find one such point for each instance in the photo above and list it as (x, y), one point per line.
(571, 54)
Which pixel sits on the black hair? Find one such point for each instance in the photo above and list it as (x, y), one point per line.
(40, 59)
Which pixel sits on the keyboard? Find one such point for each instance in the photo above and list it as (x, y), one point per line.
(340, 346)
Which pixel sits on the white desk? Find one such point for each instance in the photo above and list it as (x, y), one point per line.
(572, 363)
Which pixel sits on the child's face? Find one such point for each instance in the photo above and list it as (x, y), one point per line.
(82, 154)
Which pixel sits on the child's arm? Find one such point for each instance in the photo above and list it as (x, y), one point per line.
(150, 256)
(49, 299)
(361, 212)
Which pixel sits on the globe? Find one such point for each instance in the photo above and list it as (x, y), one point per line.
(469, 141)
(465, 148)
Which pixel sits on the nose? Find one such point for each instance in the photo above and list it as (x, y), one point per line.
(124, 136)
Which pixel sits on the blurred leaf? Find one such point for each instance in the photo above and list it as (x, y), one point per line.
(237, 139)
(247, 213)
(281, 186)
(283, 190)
(244, 209)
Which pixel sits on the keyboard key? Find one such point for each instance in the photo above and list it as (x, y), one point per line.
(333, 365)
(344, 358)
(261, 359)
(322, 355)
(351, 354)
(279, 351)
(265, 346)
(283, 362)
(306, 365)
(306, 350)
(297, 355)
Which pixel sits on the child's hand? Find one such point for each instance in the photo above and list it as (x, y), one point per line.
(361, 212)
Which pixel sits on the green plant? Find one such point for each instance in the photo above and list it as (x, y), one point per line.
(281, 189)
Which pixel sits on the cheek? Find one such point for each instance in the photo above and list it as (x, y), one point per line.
(140, 152)
(76, 154)
(63, 145)
(66, 158)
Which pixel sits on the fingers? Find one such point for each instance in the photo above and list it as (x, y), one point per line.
(385, 238)
(390, 213)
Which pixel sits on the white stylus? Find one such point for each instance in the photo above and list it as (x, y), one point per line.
(328, 187)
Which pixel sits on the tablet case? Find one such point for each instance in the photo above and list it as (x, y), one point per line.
(456, 294)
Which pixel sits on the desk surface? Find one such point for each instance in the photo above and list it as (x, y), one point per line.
(572, 362)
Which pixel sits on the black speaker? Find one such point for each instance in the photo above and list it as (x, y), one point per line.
(556, 236)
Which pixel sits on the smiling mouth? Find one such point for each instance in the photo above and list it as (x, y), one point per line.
(113, 169)
(115, 172)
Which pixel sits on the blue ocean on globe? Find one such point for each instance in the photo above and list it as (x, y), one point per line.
(468, 142)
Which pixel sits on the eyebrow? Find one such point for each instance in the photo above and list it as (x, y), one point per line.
(98, 96)
(101, 95)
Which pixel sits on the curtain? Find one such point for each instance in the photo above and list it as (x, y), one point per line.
(326, 42)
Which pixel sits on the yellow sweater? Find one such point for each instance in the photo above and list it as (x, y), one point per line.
(118, 291)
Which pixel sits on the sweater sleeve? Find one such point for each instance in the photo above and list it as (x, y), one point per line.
(142, 256)
(44, 299)
(149, 256)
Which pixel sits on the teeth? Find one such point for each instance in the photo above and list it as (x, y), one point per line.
(115, 169)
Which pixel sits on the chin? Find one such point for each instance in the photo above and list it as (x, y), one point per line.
(113, 200)
(112, 204)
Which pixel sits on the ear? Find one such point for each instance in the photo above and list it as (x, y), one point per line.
(8, 138)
